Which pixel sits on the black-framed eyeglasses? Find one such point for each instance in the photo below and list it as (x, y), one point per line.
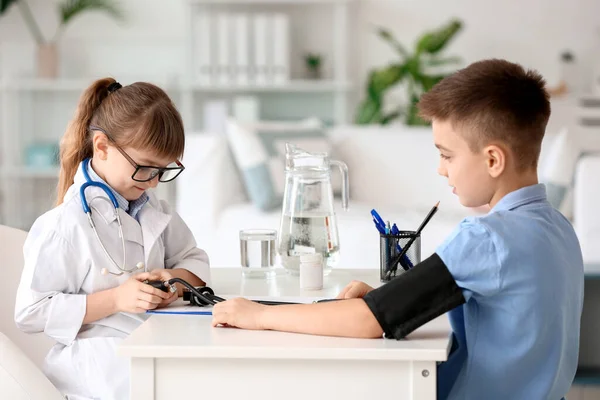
(145, 173)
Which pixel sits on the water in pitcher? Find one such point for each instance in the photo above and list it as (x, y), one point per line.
(308, 233)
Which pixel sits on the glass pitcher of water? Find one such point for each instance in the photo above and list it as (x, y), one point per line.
(308, 221)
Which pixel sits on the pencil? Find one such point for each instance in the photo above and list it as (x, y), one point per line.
(428, 217)
(396, 259)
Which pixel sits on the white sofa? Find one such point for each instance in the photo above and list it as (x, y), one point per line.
(586, 210)
(392, 169)
(21, 354)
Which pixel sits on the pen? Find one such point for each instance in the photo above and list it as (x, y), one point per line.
(405, 259)
(412, 239)
(379, 224)
(388, 250)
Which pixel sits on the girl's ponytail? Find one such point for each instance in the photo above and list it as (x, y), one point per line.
(76, 144)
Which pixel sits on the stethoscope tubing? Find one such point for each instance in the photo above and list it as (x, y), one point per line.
(88, 210)
(207, 296)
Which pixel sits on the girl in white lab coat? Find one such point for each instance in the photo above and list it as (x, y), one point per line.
(70, 289)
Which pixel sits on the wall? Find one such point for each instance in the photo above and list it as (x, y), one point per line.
(151, 45)
(532, 32)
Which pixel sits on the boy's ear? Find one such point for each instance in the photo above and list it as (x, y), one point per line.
(495, 159)
(100, 143)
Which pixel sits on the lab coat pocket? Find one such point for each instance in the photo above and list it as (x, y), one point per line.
(105, 373)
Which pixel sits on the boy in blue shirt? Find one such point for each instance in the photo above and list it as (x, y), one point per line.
(511, 279)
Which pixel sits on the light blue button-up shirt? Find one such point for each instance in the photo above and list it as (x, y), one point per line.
(521, 272)
(130, 207)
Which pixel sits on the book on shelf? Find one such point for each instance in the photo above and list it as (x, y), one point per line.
(224, 40)
(280, 67)
(203, 48)
(261, 41)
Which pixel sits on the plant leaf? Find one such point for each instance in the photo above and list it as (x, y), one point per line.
(369, 112)
(429, 81)
(69, 9)
(434, 41)
(413, 67)
(390, 117)
(383, 79)
(4, 4)
(388, 37)
(412, 117)
(437, 62)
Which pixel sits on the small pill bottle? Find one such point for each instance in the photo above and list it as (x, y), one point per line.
(311, 271)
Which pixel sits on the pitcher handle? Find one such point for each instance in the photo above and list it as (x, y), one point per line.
(345, 183)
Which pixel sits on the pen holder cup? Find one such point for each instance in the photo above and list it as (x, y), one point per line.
(390, 247)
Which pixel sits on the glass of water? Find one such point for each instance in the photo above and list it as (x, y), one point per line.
(258, 251)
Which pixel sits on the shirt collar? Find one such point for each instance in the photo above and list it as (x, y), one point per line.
(520, 197)
(130, 207)
(123, 202)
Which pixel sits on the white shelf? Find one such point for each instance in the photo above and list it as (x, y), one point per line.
(31, 172)
(306, 86)
(255, 2)
(47, 85)
(78, 85)
(61, 85)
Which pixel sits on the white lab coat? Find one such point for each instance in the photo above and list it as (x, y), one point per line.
(63, 263)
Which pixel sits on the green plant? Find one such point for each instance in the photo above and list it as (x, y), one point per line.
(313, 60)
(412, 69)
(67, 10)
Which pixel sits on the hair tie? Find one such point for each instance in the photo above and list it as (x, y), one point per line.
(114, 87)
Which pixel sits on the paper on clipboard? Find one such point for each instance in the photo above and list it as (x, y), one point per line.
(179, 307)
(182, 309)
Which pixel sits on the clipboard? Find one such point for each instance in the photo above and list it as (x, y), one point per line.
(181, 307)
(185, 309)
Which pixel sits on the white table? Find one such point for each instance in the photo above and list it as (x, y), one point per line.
(173, 356)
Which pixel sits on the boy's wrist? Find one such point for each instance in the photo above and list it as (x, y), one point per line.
(264, 317)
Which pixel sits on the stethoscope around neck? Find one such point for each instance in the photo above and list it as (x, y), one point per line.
(88, 210)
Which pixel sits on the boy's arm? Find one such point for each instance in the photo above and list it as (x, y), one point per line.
(414, 298)
(349, 318)
(396, 308)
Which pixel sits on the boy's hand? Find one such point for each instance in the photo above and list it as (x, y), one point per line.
(239, 313)
(354, 290)
(134, 296)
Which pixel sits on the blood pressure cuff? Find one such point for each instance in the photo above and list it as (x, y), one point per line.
(409, 301)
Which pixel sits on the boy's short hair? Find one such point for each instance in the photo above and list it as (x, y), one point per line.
(493, 101)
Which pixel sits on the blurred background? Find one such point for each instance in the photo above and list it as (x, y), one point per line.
(262, 61)
(340, 76)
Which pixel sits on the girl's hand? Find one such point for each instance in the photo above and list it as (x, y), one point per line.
(134, 296)
(159, 274)
(164, 275)
(239, 313)
(354, 290)
(173, 296)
